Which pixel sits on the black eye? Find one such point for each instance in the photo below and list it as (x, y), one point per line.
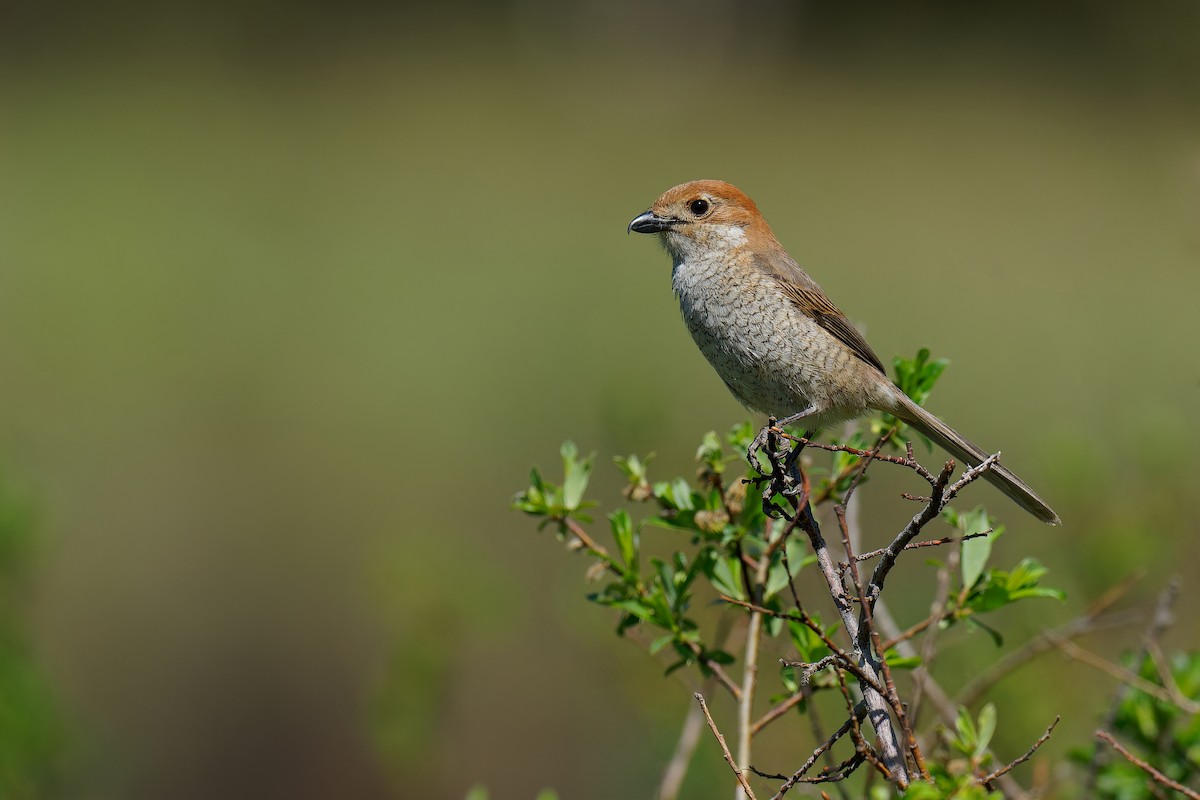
(698, 207)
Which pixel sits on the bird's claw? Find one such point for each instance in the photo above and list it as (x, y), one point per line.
(762, 440)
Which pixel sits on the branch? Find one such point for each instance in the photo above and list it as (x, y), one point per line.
(941, 598)
(847, 660)
(746, 701)
(931, 543)
(860, 713)
(869, 638)
(991, 776)
(725, 748)
(877, 704)
(1125, 676)
(1159, 623)
(672, 780)
(1149, 770)
(941, 496)
(1093, 619)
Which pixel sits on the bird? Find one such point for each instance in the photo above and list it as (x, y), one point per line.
(773, 336)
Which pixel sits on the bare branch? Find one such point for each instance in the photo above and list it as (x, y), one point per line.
(860, 713)
(725, 748)
(672, 780)
(1131, 679)
(1144, 767)
(924, 672)
(1159, 623)
(1039, 644)
(930, 543)
(847, 660)
(877, 704)
(1045, 737)
(941, 495)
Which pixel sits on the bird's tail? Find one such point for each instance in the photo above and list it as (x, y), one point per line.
(972, 454)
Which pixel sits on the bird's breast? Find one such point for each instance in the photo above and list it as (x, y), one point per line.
(774, 358)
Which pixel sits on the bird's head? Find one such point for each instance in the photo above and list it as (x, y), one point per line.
(704, 218)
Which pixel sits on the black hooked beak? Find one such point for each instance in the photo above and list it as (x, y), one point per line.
(648, 222)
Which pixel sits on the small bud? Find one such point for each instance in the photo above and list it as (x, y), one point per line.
(735, 497)
(638, 492)
(711, 521)
(595, 572)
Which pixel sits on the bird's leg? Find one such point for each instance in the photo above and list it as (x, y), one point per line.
(790, 467)
(782, 461)
(764, 436)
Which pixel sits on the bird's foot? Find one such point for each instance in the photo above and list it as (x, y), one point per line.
(765, 439)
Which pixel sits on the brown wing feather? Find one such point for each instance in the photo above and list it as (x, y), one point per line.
(804, 292)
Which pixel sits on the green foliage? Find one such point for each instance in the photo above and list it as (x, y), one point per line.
(31, 738)
(559, 502)
(721, 546)
(968, 759)
(916, 377)
(1155, 730)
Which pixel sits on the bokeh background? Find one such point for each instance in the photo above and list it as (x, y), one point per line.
(293, 294)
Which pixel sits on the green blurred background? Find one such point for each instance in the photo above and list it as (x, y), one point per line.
(292, 295)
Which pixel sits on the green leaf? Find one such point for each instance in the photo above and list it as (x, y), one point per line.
(709, 453)
(719, 657)
(975, 552)
(967, 735)
(740, 436)
(897, 661)
(987, 727)
(974, 623)
(727, 577)
(661, 642)
(575, 475)
(626, 538)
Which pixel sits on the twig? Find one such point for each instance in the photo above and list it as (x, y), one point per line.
(924, 671)
(1144, 767)
(909, 462)
(725, 748)
(859, 713)
(718, 672)
(941, 496)
(877, 704)
(1037, 645)
(931, 543)
(778, 711)
(867, 627)
(746, 701)
(1131, 679)
(1158, 623)
(946, 708)
(589, 543)
(991, 776)
(676, 771)
(847, 660)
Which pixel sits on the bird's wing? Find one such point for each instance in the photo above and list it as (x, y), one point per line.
(807, 296)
